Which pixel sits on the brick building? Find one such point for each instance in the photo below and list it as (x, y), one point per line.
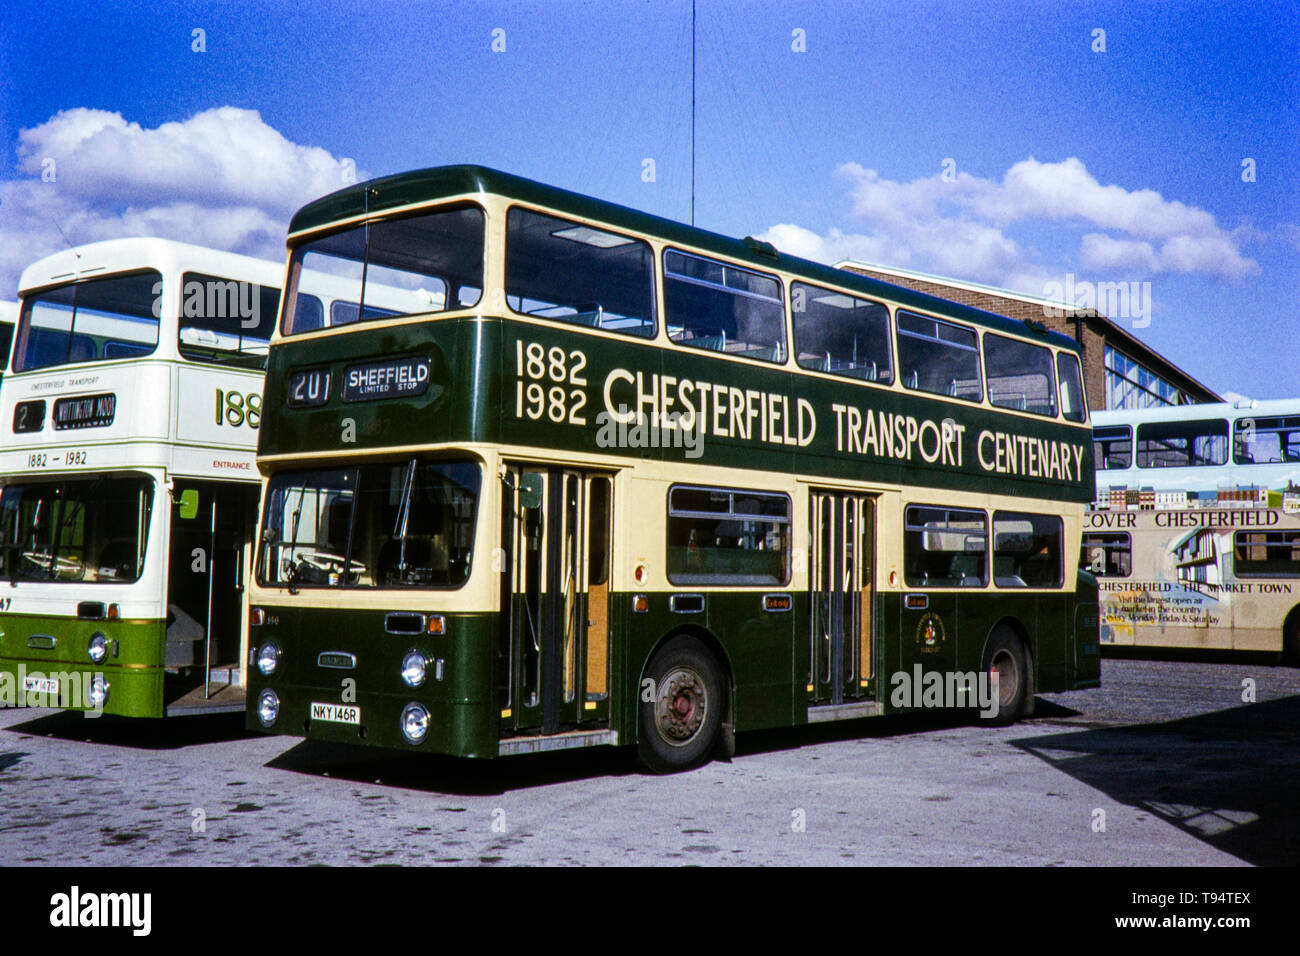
(1119, 370)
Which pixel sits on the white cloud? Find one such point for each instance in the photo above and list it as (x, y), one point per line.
(222, 178)
(1213, 254)
(959, 228)
(1098, 251)
(835, 245)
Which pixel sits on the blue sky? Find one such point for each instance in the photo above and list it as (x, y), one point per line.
(1122, 165)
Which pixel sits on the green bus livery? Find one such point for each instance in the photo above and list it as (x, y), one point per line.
(549, 472)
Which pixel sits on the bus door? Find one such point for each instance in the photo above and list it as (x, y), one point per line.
(555, 562)
(841, 581)
(211, 527)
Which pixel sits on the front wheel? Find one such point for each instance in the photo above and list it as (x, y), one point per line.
(1005, 655)
(681, 707)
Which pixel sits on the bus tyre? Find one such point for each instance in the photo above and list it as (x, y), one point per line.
(1291, 640)
(1005, 654)
(680, 722)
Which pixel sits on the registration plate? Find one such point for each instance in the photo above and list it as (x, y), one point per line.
(40, 685)
(336, 713)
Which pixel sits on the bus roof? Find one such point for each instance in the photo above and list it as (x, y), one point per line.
(1272, 408)
(429, 185)
(8, 312)
(116, 255)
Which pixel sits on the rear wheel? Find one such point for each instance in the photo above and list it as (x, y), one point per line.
(1006, 657)
(1291, 640)
(679, 724)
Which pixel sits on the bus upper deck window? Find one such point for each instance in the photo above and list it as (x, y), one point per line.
(1265, 441)
(1112, 446)
(715, 305)
(570, 272)
(841, 334)
(1073, 406)
(1019, 375)
(938, 357)
(1182, 444)
(226, 322)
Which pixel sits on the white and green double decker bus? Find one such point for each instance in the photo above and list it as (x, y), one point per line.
(128, 484)
(8, 315)
(607, 479)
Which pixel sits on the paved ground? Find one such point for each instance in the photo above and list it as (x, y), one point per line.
(1165, 754)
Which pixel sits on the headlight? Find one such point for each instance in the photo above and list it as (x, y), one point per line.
(98, 647)
(415, 722)
(98, 693)
(268, 658)
(268, 707)
(414, 668)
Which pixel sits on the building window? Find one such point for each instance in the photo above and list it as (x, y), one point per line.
(1130, 385)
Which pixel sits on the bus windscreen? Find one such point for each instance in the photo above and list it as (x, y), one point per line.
(109, 318)
(430, 262)
(398, 524)
(90, 531)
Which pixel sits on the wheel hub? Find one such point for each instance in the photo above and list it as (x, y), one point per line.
(680, 708)
(1004, 666)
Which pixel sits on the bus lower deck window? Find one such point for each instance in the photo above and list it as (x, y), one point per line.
(1027, 550)
(945, 547)
(726, 536)
(1107, 555)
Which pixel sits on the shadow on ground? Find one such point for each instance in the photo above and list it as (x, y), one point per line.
(1229, 778)
(10, 757)
(437, 774)
(168, 733)
(434, 773)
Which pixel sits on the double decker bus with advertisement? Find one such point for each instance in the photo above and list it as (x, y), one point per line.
(128, 480)
(629, 482)
(1195, 532)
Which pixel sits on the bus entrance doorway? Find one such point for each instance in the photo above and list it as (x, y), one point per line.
(841, 581)
(211, 527)
(555, 544)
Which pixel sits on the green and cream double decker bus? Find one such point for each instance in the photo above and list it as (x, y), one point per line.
(128, 479)
(1195, 532)
(623, 481)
